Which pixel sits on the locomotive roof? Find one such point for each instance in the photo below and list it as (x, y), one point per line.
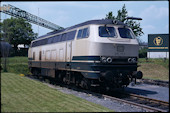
(102, 21)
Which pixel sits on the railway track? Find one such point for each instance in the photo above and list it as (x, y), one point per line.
(149, 104)
(154, 82)
(146, 103)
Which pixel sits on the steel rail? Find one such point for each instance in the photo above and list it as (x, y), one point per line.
(136, 104)
(150, 99)
(155, 82)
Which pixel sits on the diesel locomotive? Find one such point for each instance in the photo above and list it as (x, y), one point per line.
(95, 53)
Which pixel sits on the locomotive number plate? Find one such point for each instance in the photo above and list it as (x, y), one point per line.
(120, 48)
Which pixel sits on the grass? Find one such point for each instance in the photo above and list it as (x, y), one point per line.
(20, 94)
(158, 61)
(156, 69)
(18, 65)
(18, 59)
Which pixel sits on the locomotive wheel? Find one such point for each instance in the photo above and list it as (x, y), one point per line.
(59, 77)
(82, 84)
(52, 81)
(36, 73)
(41, 78)
(64, 80)
(85, 84)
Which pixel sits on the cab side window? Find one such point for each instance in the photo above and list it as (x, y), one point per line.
(79, 33)
(83, 33)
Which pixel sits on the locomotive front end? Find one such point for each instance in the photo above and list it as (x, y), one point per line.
(118, 50)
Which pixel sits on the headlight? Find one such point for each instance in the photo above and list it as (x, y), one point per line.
(132, 60)
(109, 60)
(129, 60)
(106, 59)
(103, 59)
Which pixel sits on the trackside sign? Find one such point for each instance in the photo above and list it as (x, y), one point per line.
(158, 42)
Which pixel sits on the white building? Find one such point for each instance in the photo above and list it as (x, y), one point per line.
(158, 55)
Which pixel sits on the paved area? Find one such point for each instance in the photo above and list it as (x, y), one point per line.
(152, 91)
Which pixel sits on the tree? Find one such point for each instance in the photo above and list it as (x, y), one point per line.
(1, 31)
(110, 16)
(17, 31)
(143, 52)
(121, 16)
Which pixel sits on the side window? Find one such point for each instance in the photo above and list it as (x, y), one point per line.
(43, 41)
(71, 35)
(50, 40)
(63, 37)
(79, 33)
(57, 38)
(53, 39)
(83, 33)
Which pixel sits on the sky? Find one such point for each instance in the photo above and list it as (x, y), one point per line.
(155, 14)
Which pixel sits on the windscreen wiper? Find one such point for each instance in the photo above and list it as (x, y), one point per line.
(108, 31)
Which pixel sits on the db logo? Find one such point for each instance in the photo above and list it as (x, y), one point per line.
(158, 41)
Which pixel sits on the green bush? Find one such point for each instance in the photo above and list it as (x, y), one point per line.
(18, 65)
(143, 52)
(18, 69)
(21, 52)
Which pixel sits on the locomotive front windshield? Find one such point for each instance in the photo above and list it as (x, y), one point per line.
(107, 31)
(125, 33)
